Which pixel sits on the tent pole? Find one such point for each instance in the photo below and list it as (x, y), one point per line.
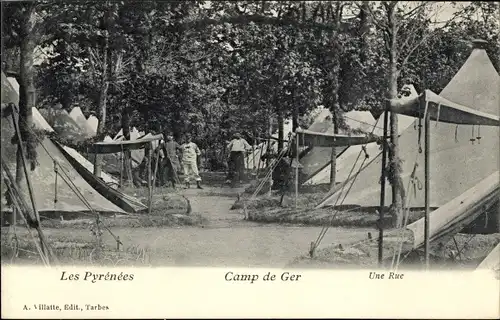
(427, 188)
(150, 190)
(296, 169)
(155, 171)
(43, 241)
(382, 193)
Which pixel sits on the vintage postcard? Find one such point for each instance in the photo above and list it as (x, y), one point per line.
(234, 159)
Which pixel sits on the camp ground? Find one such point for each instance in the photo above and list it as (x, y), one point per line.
(339, 184)
(449, 207)
(461, 139)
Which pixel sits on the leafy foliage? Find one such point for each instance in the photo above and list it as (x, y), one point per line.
(213, 68)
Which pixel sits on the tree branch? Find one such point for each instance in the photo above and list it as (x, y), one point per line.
(427, 36)
(415, 10)
(378, 23)
(411, 35)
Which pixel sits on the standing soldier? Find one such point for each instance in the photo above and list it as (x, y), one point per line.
(237, 147)
(190, 154)
(171, 149)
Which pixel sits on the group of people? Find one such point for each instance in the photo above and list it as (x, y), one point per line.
(175, 158)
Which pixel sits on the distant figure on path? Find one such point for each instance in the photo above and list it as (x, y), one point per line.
(190, 154)
(171, 164)
(237, 147)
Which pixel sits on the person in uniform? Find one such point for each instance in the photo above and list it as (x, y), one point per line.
(237, 148)
(190, 158)
(171, 165)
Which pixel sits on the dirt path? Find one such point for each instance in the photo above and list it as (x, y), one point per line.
(214, 204)
(226, 240)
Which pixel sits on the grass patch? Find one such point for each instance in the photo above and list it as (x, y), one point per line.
(473, 249)
(74, 252)
(267, 209)
(164, 219)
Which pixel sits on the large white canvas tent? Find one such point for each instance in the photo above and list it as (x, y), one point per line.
(461, 155)
(346, 161)
(492, 260)
(50, 196)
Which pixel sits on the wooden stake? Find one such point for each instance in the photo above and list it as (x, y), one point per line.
(261, 152)
(121, 168)
(427, 188)
(26, 173)
(157, 160)
(382, 193)
(296, 169)
(150, 190)
(14, 216)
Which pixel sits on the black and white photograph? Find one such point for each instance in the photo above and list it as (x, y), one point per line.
(295, 135)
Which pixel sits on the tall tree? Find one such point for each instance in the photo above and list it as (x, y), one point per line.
(405, 28)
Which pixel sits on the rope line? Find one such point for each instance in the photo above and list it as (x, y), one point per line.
(324, 230)
(71, 184)
(414, 182)
(18, 205)
(273, 165)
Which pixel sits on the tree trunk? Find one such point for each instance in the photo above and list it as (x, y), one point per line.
(269, 141)
(394, 161)
(333, 158)
(295, 125)
(127, 158)
(281, 132)
(365, 22)
(333, 91)
(295, 119)
(26, 90)
(333, 105)
(103, 95)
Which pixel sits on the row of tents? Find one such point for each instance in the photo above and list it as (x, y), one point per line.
(464, 165)
(462, 155)
(63, 179)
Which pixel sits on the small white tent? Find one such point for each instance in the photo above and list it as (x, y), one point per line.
(92, 123)
(77, 115)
